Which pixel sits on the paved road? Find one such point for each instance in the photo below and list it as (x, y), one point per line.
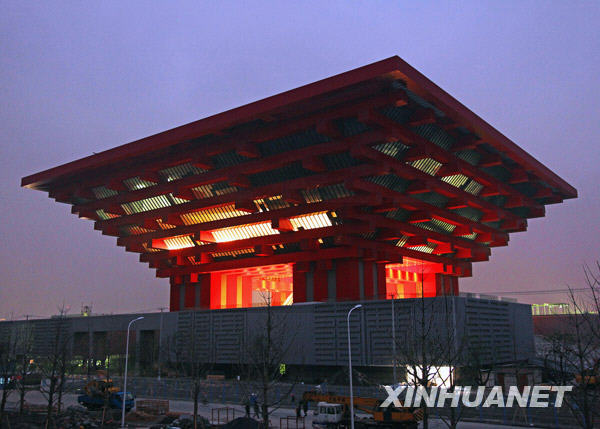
(187, 407)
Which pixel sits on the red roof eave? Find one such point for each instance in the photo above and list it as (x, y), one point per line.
(463, 114)
(417, 82)
(212, 123)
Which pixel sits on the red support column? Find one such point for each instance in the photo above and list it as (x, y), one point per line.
(455, 290)
(410, 289)
(232, 291)
(205, 287)
(447, 285)
(419, 285)
(299, 281)
(275, 297)
(440, 285)
(174, 295)
(381, 282)
(430, 284)
(347, 281)
(215, 290)
(247, 291)
(190, 295)
(368, 267)
(320, 284)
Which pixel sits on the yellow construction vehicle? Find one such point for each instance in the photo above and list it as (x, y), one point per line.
(101, 392)
(588, 377)
(100, 387)
(332, 412)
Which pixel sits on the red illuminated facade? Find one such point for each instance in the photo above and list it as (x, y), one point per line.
(371, 184)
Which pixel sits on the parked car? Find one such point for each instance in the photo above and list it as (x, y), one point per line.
(7, 383)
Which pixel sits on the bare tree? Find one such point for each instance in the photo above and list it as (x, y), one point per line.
(451, 349)
(479, 362)
(25, 352)
(8, 362)
(111, 346)
(191, 361)
(262, 357)
(54, 365)
(573, 353)
(198, 368)
(592, 280)
(422, 347)
(429, 343)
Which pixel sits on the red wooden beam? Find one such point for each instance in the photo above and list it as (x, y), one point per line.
(303, 99)
(412, 230)
(382, 246)
(466, 142)
(308, 182)
(286, 213)
(427, 183)
(409, 137)
(422, 116)
(411, 203)
(285, 258)
(238, 171)
(201, 156)
(293, 237)
(314, 163)
(416, 241)
(281, 224)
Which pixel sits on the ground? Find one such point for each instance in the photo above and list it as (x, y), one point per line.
(186, 407)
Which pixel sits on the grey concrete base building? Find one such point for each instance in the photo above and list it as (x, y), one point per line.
(312, 337)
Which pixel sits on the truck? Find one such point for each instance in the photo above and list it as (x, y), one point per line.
(333, 412)
(100, 393)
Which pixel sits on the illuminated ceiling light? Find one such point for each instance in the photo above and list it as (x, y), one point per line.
(182, 242)
(408, 262)
(244, 232)
(211, 214)
(311, 221)
(233, 253)
(427, 165)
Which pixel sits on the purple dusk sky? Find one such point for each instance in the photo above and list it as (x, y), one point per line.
(82, 77)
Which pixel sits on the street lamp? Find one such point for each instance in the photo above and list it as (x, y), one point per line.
(125, 375)
(350, 367)
(393, 338)
(160, 330)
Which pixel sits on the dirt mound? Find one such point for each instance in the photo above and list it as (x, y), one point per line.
(242, 423)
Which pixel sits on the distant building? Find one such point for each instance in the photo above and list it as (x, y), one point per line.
(555, 320)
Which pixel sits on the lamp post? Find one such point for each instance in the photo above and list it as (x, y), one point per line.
(350, 367)
(125, 375)
(160, 330)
